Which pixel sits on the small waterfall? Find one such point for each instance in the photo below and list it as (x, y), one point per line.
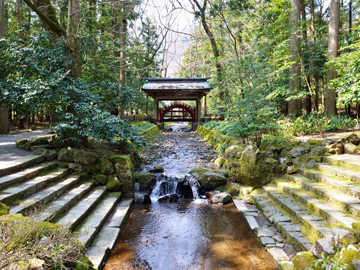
(188, 187)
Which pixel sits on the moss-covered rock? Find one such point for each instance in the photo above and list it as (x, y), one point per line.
(113, 183)
(157, 169)
(150, 133)
(125, 173)
(145, 179)
(285, 157)
(210, 180)
(75, 167)
(21, 142)
(232, 188)
(85, 157)
(105, 166)
(197, 171)
(91, 169)
(40, 141)
(48, 154)
(100, 179)
(350, 255)
(63, 165)
(305, 260)
(66, 155)
(4, 210)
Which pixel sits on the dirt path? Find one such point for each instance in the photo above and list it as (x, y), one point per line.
(9, 152)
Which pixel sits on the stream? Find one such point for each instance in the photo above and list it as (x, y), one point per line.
(189, 233)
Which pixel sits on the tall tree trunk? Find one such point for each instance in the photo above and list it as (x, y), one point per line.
(4, 113)
(330, 95)
(209, 33)
(123, 35)
(304, 37)
(294, 106)
(18, 17)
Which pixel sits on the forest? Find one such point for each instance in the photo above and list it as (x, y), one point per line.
(275, 65)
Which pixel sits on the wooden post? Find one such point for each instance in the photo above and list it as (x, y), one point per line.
(198, 110)
(156, 108)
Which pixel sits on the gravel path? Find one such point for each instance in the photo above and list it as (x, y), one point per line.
(9, 152)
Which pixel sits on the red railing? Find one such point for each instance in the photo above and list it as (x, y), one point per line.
(177, 114)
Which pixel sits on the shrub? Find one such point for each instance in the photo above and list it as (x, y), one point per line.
(24, 239)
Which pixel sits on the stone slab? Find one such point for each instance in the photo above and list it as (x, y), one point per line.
(119, 215)
(279, 218)
(278, 254)
(267, 240)
(64, 202)
(241, 206)
(103, 242)
(8, 167)
(81, 210)
(265, 232)
(252, 222)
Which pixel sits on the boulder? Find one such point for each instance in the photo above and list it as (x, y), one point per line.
(336, 148)
(85, 157)
(125, 172)
(113, 183)
(317, 151)
(292, 169)
(66, 155)
(75, 167)
(297, 151)
(48, 154)
(28, 145)
(353, 138)
(21, 142)
(56, 143)
(40, 141)
(105, 166)
(222, 197)
(327, 142)
(40, 146)
(271, 163)
(349, 148)
(157, 169)
(285, 157)
(342, 236)
(210, 180)
(145, 179)
(351, 256)
(91, 168)
(326, 245)
(141, 198)
(198, 171)
(100, 179)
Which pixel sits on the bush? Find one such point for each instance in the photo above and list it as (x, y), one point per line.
(24, 240)
(308, 123)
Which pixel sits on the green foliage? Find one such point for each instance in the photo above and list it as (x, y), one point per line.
(141, 125)
(308, 124)
(326, 262)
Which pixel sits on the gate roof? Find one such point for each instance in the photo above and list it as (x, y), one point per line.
(177, 88)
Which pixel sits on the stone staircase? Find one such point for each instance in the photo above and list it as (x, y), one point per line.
(314, 203)
(31, 185)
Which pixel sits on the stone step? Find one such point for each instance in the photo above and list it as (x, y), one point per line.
(105, 240)
(334, 215)
(313, 224)
(9, 167)
(46, 195)
(8, 196)
(93, 223)
(26, 174)
(82, 209)
(56, 208)
(347, 161)
(329, 194)
(339, 172)
(288, 229)
(345, 186)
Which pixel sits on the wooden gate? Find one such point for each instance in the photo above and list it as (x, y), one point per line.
(177, 112)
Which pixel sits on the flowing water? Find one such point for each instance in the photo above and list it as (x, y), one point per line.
(189, 233)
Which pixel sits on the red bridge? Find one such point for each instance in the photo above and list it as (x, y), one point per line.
(177, 112)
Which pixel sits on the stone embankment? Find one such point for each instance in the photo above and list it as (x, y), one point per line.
(310, 197)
